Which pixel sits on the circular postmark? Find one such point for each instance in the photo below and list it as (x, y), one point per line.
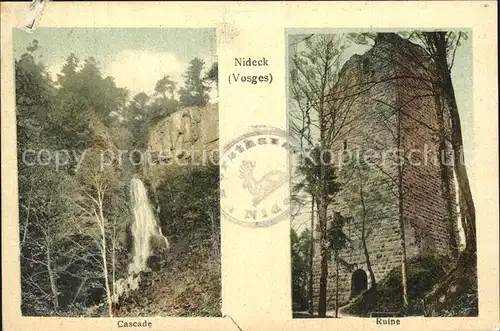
(255, 178)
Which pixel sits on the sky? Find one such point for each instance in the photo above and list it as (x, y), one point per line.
(137, 58)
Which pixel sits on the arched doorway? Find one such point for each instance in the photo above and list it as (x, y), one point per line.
(359, 282)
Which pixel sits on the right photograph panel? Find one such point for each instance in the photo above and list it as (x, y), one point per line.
(383, 219)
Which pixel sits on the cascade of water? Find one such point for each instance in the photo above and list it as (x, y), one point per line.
(145, 232)
(145, 228)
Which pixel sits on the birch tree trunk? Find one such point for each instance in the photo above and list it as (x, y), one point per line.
(311, 257)
(106, 273)
(113, 263)
(446, 178)
(363, 235)
(401, 216)
(102, 225)
(323, 209)
(52, 278)
(336, 283)
(324, 258)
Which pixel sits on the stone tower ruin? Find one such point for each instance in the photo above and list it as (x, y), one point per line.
(393, 108)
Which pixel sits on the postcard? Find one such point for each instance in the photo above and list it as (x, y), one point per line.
(250, 166)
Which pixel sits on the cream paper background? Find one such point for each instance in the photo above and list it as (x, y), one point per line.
(256, 274)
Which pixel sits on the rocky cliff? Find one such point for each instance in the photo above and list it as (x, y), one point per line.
(185, 130)
(189, 136)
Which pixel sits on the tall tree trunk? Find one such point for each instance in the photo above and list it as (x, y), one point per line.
(401, 216)
(367, 258)
(324, 257)
(404, 282)
(114, 260)
(403, 243)
(52, 278)
(27, 222)
(466, 203)
(79, 289)
(106, 276)
(336, 283)
(102, 222)
(363, 235)
(311, 257)
(446, 178)
(403, 239)
(323, 198)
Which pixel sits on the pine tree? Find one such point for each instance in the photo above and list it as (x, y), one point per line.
(195, 90)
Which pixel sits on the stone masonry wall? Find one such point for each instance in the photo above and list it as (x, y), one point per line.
(429, 228)
(188, 136)
(385, 106)
(371, 125)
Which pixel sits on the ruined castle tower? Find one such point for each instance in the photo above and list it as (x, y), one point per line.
(393, 107)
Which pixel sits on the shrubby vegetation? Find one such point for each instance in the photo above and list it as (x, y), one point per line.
(301, 245)
(423, 273)
(196, 222)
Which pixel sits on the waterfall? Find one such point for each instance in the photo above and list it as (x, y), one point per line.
(145, 229)
(146, 234)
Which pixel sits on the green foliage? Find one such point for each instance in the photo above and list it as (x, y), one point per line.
(188, 286)
(213, 73)
(143, 112)
(136, 119)
(188, 197)
(188, 201)
(310, 170)
(423, 273)
(194, 92)
(457, 293)
(60, 264)
(301, 246)
(70, 124)
(165, 85)
(160, 109)
(100, 96)
(337, 238)
(34, 99)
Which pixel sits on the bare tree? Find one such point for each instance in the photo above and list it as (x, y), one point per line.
(338, 240)
(303, 195)
(98, 196)
(311, 262)
(318, 117)
(364, 220)
(47, 233)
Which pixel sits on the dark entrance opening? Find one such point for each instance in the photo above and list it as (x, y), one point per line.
(359, 282)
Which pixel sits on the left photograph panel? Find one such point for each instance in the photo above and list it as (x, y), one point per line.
(118, 177)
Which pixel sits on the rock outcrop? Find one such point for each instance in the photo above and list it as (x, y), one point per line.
(189, 136)
(187, 129)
